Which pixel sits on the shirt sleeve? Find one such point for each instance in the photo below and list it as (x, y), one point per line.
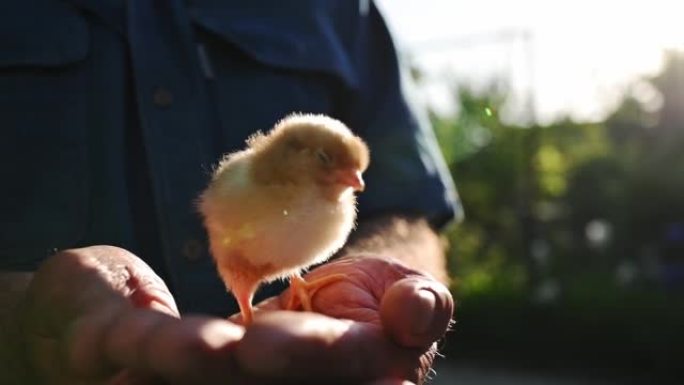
(407, 172)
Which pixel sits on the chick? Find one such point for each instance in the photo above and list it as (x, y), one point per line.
(284, 203)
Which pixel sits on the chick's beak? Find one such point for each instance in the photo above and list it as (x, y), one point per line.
(351, 178)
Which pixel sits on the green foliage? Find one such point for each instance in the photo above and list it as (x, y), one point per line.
(504, 174)
(582, 217)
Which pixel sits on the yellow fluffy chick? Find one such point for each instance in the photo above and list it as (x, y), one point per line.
(284, 203)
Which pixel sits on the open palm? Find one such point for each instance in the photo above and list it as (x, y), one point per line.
(390, 316)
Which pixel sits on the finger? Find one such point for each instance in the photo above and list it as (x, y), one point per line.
(309, 346)
(129, 377)
(269, 304)
(153, 295)
(392, 382)
(75, 282)
(132, 277)
(416, 311)
(192, 350)
(82, 344)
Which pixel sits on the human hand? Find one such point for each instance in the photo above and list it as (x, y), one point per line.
(99, 315)
(381, 322)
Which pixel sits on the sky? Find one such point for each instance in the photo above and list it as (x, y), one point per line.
(571, 58)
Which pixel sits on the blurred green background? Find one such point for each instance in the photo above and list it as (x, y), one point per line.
(572, 252)
(562, 123)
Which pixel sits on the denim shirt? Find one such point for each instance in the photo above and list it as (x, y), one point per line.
(113, 113)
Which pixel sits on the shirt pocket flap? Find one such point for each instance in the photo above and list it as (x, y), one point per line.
(286, 37)
(54, 36)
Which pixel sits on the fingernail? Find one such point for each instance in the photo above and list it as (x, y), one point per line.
(425, 302)
(163, 308)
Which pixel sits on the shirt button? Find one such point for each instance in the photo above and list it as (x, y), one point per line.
(162, 97)
(192, 250)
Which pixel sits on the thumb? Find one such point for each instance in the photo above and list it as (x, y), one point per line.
(416, 311)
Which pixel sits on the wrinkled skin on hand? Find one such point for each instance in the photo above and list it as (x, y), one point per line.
(100, 315)
(386, 321)
(91, 312)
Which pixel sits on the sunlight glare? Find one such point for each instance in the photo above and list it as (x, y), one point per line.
(581, 56)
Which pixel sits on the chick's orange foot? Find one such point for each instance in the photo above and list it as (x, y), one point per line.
(302, 292)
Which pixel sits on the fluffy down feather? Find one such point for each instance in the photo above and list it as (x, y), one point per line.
(283, 203)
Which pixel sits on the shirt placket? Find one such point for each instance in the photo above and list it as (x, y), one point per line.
(173, 110)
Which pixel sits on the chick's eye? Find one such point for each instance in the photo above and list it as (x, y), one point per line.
(323, 157)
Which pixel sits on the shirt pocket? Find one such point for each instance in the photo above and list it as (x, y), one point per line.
(43, 165)
(266, 59)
